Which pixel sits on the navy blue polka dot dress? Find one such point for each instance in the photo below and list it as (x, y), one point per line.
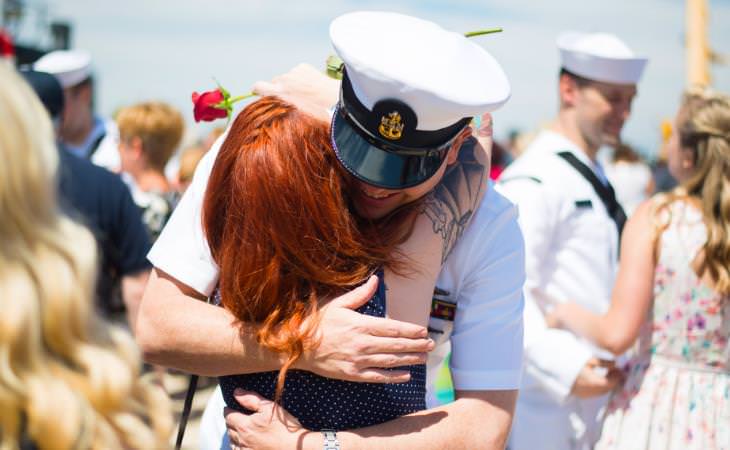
(321, 403)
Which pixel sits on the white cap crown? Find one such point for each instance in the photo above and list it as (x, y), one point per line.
(71, 67)
(442, 75)
(601, 57)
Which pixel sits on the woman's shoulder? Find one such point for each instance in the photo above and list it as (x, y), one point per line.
(671, 208)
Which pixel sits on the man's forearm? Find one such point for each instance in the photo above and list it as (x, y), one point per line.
(476, 420)
(177, 330)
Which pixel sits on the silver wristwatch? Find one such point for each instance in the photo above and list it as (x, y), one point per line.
(330, 440)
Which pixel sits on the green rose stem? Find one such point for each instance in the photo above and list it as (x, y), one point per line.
(242, 97)
(481, 32)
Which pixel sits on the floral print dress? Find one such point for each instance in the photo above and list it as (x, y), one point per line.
(677, 391)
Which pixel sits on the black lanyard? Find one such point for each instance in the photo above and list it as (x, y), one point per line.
(605, 191)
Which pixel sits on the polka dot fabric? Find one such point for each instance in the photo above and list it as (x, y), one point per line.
(320, 402)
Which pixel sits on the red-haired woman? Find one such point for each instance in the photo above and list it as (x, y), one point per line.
(277, 195)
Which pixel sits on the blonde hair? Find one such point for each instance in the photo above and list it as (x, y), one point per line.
(158, 125)
(704, 128)
(67, 378)
(189, 160)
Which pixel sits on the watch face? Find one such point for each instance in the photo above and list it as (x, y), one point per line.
(330, 440)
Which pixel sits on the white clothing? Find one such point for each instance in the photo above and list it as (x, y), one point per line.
(484, 274)
(631, 182)
(571, 247)
(107, 150)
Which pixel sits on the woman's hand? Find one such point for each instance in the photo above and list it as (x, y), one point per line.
(269, 427)
(305, 87)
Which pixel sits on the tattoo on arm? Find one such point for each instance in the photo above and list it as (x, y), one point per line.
(451, 205)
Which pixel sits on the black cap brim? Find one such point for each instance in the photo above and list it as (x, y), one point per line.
(380, 167)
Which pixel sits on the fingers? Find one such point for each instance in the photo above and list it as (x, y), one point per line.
(375, 375)
(378, 326)
(249, 400)
(615, 377)
(396, 360)
(605, 363)
(358, 296)
(263, 88)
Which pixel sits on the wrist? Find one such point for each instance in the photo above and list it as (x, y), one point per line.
(309, 440)
(329, 440)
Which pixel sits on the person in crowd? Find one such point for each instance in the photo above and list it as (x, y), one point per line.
(672, 293)
(386, 168)
(499, 161)
(663, 179)
(189, 160)
(571, 222)
(69, 379)
(7, 48)
(101, 201)
(629, 174)
(149, 134)
(81, 132)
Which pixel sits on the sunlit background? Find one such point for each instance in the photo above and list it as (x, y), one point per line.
(152, 49)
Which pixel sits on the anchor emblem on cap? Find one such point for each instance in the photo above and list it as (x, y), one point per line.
(391, 126)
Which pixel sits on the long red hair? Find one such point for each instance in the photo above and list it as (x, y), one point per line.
(278, 225)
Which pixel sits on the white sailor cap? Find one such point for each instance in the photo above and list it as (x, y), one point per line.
(601, 57)
(71, 67)
(409, 88)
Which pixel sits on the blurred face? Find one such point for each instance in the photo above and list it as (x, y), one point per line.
(601, 110)
(129, 154)
(372, 202)
(76, 115)
(680, 160)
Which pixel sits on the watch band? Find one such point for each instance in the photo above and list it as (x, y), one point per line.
(330, 440)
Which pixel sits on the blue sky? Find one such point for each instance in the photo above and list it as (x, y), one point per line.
(154, 49)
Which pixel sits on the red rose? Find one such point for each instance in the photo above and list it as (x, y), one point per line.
(206, 106)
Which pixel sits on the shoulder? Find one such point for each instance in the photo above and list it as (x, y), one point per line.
(647, 221)
(88, 174)
(493, 227)
(494, 210)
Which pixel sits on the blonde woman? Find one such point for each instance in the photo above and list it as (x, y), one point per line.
(673, 294)
(68, 380)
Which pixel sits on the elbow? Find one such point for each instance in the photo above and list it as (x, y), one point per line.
(497, 409)
(617, 342)
(494, 441)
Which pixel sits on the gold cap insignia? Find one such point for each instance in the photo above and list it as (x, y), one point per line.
(391, 126)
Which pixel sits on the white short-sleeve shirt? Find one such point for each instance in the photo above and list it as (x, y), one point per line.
(483, 274)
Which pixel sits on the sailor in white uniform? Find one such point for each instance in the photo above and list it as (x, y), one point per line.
(81, 132)
(571, 222)
(480, 298)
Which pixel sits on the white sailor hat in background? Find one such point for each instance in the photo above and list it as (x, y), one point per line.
(71, 67)
(409, 88)
(601, 57)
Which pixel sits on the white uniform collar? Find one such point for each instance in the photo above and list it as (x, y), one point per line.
(556, 142)
(83, 150)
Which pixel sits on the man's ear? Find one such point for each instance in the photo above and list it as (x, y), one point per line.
(568, 90)
(453, 154)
